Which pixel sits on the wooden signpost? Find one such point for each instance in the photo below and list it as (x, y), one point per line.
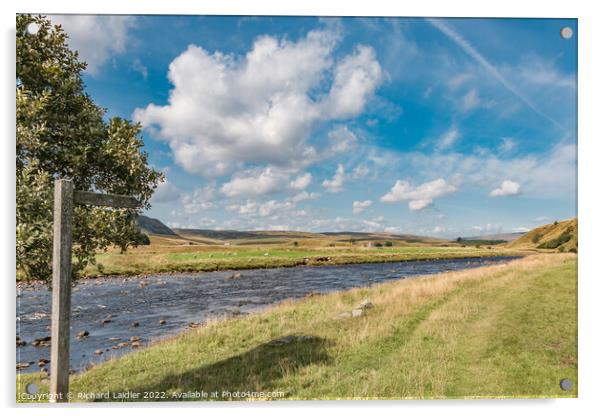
(64, 199)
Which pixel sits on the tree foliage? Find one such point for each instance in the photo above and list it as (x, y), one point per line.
(62, 133)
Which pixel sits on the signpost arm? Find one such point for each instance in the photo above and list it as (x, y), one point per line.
(61, 290)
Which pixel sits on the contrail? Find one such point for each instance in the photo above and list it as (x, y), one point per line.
(470, 50)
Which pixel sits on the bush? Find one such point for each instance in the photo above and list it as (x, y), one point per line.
(535, 239)
(378, 245)
(388, 244)
(557, 242)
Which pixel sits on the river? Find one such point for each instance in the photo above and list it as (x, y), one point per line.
(160, 306)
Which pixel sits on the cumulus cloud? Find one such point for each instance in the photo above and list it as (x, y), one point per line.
(96, 37)
(360, 206)
(507, 188)
(360, 172)
(262, 209)
(165, 192)
(255, 182)
(418, 197)
(305, 196)
(199, 200)
(301, 182)
(261, 107)
(335, 184)
(341, 139)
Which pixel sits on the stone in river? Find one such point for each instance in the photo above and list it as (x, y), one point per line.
(41, 342)
(135, 324)
(134, 338)
(82, 335)
(42, 362)
(162, 322)
(20, 342)
(136, 344)
(21, 366)
(98, 352)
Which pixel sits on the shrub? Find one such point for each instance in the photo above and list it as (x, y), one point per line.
(388, 244)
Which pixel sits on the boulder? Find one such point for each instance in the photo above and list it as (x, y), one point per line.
(356, 313)
(20, 342)
(365, 304)
(21, 366)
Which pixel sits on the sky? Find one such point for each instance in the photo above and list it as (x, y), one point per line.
(439, 127)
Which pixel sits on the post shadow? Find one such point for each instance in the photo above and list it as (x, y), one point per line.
(258, 369)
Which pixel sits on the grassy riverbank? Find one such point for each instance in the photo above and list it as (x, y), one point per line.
(500, 331)
(169, 259)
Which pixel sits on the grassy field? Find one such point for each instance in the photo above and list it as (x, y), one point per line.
(500, 331)
(168, 258)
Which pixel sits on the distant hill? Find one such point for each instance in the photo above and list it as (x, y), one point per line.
(153, 226)
(242, 237)
(497, 237)
(561, 236)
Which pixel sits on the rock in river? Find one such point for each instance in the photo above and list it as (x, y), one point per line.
(82, 334)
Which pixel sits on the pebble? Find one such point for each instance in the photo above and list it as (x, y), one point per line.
(98, 352)
(162, 322)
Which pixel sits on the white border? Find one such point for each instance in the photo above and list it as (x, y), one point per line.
(590, 209)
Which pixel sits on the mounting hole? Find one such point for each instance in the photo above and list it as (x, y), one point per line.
(566, 32)
(31, 388)
(566, 384)
(32, 28)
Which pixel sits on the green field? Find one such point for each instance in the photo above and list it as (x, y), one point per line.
(500, 331)
(172, 259)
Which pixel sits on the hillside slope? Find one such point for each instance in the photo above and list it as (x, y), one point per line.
(153, 226)
(559, 236)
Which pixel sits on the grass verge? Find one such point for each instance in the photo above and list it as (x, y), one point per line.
(499, 331)
(159, 261)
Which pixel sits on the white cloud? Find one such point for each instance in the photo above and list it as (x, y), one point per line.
(199, 200)
(255, 182)
(301, 182)
(448, 138)
(165, 192)
(260, 108)
(360, 172)
(341, 139)
(418, 197)
(507, 188)
(360, 206)
(508, 144)
(262, 209)
(335, 184)
(96, 37)
(138, 66)
(305, 196)
(520, 230)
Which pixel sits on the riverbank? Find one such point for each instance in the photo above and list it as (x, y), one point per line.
(498, 331)
(157, 262)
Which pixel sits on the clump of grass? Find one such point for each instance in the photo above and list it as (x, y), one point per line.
(499, 331)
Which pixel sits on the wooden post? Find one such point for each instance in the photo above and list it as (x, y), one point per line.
(61, 290)
(64, 199)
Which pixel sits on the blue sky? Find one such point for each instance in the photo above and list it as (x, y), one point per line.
(441, 127)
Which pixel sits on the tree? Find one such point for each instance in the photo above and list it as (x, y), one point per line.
(62, 133)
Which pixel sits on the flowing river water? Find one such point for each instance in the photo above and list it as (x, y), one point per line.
(160, 306)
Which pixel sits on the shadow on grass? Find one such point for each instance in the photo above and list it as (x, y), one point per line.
(256, 370)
